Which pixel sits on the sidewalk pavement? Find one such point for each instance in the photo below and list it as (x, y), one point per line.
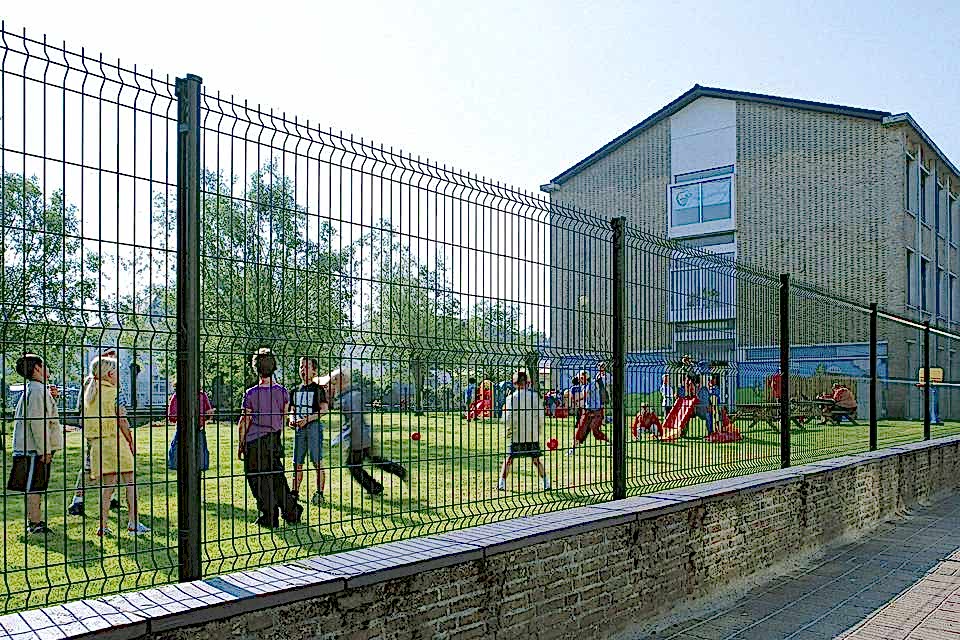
(900, 582)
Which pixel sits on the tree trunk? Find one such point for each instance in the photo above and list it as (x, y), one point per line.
(418, 371)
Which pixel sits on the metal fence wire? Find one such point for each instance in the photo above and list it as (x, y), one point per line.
(231, 337)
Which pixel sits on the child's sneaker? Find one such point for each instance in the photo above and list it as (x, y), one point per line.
(546, 484)
(570, 451)
(317, 499)
(104, 532)
(76, 509)
(137, 529)
(293, 517)
(502, 485)
(39, 528)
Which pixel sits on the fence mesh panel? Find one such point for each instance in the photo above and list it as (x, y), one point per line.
(389, 347)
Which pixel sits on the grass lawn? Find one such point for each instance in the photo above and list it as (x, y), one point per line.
(452, 483)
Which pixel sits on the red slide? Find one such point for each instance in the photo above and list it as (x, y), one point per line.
(676, 421)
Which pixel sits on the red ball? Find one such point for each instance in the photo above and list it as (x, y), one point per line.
(415, 436)
(552, 444)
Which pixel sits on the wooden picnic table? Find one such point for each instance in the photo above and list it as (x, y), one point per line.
(802, 410)
(768, 412)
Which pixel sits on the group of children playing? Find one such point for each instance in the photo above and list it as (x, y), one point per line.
(267, 408)
(111, 449)
(38, 436)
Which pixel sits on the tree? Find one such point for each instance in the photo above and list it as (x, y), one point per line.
(47, 273)
(412, 312)
(495, 334)
(271, 275)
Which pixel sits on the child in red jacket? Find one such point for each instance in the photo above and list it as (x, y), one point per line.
(646, 421)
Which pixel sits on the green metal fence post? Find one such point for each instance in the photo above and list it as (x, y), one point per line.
(619, 367)
(926, 380)
(188, 326)
(784, 370)
(873, 377)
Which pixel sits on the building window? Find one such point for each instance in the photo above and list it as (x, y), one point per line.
(952, 298)
(702, 287)
(923, 197)
(936, 291)
(924, 263)
(700, 202)
(910, 299)
(911, 184)
(951, 211)
(936, 207)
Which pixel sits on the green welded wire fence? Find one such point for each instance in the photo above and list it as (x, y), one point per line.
(352, 344)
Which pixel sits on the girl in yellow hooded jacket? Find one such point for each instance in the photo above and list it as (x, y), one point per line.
(110, 440)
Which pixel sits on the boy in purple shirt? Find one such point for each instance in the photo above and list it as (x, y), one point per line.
(261, 445)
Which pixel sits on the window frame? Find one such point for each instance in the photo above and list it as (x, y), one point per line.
(682, 313)
(908, 162)
(701, 227)
(922, 195)
(951, 296)
(937, 191)
(924, 284)
(911, 258)
(951, 212)
(937, 288)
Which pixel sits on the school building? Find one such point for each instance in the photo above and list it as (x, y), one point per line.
(856, 201)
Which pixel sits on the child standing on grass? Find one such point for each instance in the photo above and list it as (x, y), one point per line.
(307, 404)
(206, 414)
(261, 445)
(37, 435)
(76, 507)
(668, 396)
(523, 416)
(110, 441)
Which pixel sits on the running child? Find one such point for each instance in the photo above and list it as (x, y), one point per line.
(591, 416)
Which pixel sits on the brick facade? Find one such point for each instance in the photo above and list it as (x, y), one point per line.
(819, 194)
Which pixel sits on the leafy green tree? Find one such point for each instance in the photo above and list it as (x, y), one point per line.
(48, 275)
(497, 340)
(412, 314)
(271, 275)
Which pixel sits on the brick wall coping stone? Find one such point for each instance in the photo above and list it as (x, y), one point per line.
(134, 615)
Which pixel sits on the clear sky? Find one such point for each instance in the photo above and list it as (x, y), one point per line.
(519, 91)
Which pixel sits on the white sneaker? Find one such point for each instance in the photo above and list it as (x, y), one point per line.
(546, 484)
(570, 451)
(137, 529)
(502, 485)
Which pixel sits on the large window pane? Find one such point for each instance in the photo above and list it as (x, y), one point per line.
(685, 204)
(716, 200)
(700, 290)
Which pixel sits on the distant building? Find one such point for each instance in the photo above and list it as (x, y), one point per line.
(848, 199)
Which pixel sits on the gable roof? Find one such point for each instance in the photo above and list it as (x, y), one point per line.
(698, 91)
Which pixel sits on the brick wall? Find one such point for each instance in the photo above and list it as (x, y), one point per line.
(630, 182)
(586, 572)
